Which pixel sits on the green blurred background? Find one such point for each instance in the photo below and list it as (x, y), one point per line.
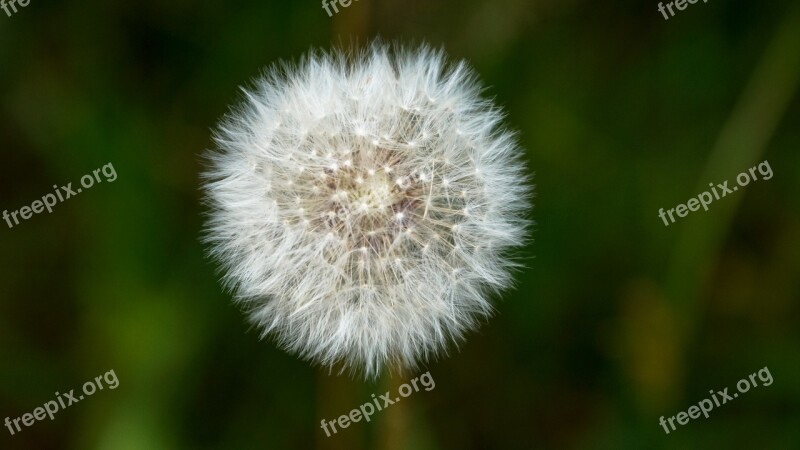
(616, 321)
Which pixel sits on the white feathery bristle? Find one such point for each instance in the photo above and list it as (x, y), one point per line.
(363, 205)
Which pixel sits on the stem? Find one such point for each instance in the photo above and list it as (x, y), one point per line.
(394, 428)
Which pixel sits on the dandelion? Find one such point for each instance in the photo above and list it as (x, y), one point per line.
(363, 205)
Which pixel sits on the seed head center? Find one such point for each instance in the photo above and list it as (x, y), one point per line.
(375, 194)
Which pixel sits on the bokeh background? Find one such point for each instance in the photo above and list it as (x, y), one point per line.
(616, 320)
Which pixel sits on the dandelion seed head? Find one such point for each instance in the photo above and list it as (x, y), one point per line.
(380, 210)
